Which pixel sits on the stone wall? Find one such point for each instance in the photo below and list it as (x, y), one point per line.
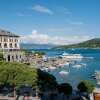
(12, 56)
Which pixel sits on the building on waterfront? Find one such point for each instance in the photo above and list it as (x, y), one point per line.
(10, 46)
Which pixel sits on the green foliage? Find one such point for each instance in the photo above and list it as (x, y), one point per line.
(17, 74)
(65, 88)
(46, 81)
(86, 86)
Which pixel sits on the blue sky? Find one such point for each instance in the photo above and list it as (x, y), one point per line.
(51, 21)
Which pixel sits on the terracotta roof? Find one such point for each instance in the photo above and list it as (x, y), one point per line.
(7, 33)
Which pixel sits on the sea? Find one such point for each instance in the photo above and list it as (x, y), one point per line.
(83, 70)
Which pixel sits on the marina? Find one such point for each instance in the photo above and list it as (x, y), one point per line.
(73, 71)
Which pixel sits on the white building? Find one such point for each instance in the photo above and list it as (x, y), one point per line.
(10, 46)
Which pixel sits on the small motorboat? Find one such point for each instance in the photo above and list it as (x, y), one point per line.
(77, 66)
(64, 72)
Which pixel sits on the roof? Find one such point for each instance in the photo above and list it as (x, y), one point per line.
(7, 33)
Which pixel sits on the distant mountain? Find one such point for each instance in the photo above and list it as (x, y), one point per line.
(93, 43)
(36, 46)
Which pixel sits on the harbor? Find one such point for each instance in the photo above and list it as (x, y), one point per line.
(47, 63)
(72, 70)
(80, 69)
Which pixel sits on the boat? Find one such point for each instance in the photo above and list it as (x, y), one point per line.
(45, 69)
(66, 63)
(72, 56)
(64, 72)
(52, 68)
(77, 66)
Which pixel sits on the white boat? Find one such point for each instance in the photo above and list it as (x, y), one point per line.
(52, 68)
(45, 69)
(77, 66)
(64, 72)
(72, 56)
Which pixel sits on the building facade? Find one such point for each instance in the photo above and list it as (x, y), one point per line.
(10, 46)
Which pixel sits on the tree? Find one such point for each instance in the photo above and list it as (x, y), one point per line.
(46, 81)
(16, 75)
(65, 88)
(86, 86)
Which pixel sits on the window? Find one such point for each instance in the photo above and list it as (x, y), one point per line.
(5, 39)
(15, 45)
(10, 45)
(20, 56)
(5, 45)
(10, 40)
(8, 57)
(16, 40)
(16, 57)
(12, 57)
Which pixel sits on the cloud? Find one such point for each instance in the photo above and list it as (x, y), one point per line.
(42, 9)
(38, 38)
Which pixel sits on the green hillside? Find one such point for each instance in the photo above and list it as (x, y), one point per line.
(93, 43)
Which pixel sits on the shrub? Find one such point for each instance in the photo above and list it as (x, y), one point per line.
(86, 86)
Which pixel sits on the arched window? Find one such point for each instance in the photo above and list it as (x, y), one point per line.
(10, 45)
(20, 56)
(13, 58)
(5, 39)
(8, 57)
(16, 40)
(16, 57)
(15, 45)
(5, 45)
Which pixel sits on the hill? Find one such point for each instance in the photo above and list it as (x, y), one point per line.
(93, 43)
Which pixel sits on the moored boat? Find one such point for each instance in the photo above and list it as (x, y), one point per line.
(72, 56)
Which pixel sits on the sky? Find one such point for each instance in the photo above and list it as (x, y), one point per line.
(51, 21)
